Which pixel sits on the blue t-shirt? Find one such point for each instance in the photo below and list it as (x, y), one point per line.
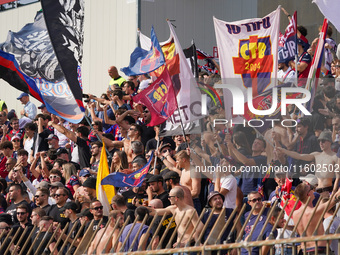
(132, 236)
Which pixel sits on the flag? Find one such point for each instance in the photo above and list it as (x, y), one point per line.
(104, 192)
(315, 69)
(143, 61)
(186, 89)
(65, 22)
(287, 42)
(248, 52)
(134, 179)
(287, 193)
(191, 54)
(159, 98)
(202, 55)
(330, 9)
(28, 63)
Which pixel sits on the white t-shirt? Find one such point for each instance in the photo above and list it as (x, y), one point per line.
(229, 182)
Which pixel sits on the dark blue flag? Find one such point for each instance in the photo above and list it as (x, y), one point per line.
(143, 61)
(134, 179)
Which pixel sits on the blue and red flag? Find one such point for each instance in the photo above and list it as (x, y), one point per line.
(287, 42)
(28, 63)
(143, 61)
(159, 98)
(315, 69)
(134, 179)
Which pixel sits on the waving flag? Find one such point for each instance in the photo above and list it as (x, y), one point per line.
(330, 9)
(287, 42)
(28, 63)
(159, 98)
(315, 69)
(142, 61)
(134, 179)
(64, 22)
(186, 89)
(104, 192)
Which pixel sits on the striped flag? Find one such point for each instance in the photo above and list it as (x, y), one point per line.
(104, 192)
(314, 71)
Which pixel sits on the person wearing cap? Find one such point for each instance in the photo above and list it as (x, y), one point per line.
(30, 110)
(53, 141)
(171, 179)
(90, 187)
(43, 109)
(85, 216)
(303, 65)
(325, 163)
(16, 144)
(156, 187)
(215, 200)
(70, 212)
(285, 73)
(104, 236)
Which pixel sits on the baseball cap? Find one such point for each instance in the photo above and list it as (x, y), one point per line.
(71, 205)
(214, 193)
(42, 106)
(155, 178)
(165, 145)
(52, 136)
(15, 137)
(85, 212)
(90, 183)
(311, 179)
(325, 135)
(43, 184)
(5, 217)
(57, 184)
(22, 95)
(61, 151)
(171, 175)
(84, 172)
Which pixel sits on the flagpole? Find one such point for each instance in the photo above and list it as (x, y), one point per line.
(154, 163)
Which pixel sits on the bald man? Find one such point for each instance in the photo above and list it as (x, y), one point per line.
(116, 80)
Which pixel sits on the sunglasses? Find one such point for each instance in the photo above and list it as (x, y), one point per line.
(37, 196)
(322, 141)
(21, 213)
(53, 176)
(58, 195)
(16, 141)
(255, 200)
(7, 228)
(98, 208)
(164, 151)
(146, 111)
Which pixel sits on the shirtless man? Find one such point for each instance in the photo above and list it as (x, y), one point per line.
(179, 207)
(189, 177)
(325, 163)
(303, 191)
(101, 239)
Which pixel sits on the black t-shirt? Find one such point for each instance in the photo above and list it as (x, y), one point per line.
(96, 222)
(21, 230)
(58, 215)
(165, 198)
(129, 195)
(46, 208)
(73, 234)
(41, 237)
(84, 152)
(148, 134)
(13, 207)
(164, 224)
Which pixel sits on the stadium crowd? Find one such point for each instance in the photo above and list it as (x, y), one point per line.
(48, 170)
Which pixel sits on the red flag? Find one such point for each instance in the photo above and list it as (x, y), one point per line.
(287, 193)
(159, 98)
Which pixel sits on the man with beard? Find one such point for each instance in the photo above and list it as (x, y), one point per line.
(53, 141)
(327, 159)
(56, 211)
(215, 200)
(171, 179)
(105, 236)
(96, 209)
(41, 199)
(156, 186)
(285, 73)
(96, 149)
